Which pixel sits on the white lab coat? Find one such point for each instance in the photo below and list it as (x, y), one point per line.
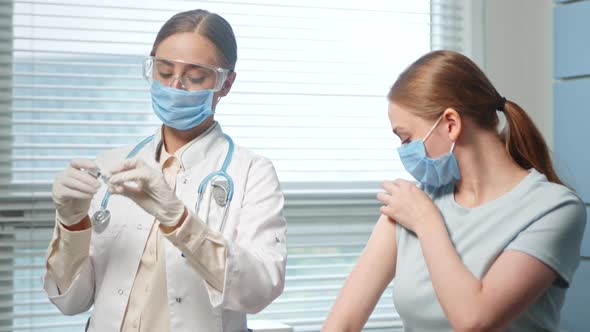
(254, 231)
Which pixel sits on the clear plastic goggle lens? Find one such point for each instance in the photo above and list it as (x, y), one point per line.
(184, 75)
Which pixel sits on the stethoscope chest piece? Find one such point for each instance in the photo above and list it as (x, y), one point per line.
(100, 219)
(220, 193)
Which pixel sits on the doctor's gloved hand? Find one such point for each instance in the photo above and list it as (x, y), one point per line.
(147, 187)
(73, 190)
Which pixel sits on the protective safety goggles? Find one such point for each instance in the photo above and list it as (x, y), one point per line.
(184, 75)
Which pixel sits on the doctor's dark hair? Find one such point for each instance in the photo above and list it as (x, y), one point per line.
(207, 24)
(446, 79)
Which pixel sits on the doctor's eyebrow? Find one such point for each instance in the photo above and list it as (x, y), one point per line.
(165, 62)
(189, 66)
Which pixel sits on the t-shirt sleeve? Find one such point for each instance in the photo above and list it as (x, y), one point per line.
(555, 238)
(398, 233)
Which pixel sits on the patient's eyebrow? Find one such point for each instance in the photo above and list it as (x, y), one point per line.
(399, 130)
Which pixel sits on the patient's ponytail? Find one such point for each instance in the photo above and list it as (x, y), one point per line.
(524, 142)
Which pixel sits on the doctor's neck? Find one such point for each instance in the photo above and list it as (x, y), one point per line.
(175, 139)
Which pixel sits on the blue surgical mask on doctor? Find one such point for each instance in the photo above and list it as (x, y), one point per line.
(181, 109)
(430, 172)
(183, 102)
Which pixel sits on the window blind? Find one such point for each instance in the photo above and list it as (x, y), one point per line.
(310, 95)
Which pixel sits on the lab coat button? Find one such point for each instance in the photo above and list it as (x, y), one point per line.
(178, 300)
(120, 292)
(139, 227)
(185, 181)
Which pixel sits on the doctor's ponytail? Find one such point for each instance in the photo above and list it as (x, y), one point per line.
(447, 79)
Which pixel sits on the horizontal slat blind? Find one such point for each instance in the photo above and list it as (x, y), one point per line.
(8, 275)
(310, 95)
(29, 308)
(447, 28)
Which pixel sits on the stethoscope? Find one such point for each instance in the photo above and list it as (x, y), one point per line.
(222, 191)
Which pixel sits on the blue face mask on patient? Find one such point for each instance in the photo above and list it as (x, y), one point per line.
(181, 109)
(433, 173)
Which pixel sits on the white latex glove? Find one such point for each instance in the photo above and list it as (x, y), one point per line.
(147, 187)
(73, 190)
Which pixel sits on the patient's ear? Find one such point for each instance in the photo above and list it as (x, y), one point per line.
(452, 123)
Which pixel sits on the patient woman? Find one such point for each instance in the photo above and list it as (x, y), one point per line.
(490, 239)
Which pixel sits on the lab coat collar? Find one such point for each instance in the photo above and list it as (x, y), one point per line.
(194, 151)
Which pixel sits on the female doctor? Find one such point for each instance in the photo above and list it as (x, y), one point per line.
(159, 262)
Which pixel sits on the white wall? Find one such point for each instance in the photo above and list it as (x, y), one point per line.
(517, 54)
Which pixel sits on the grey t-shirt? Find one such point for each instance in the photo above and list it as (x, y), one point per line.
(537, 217)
